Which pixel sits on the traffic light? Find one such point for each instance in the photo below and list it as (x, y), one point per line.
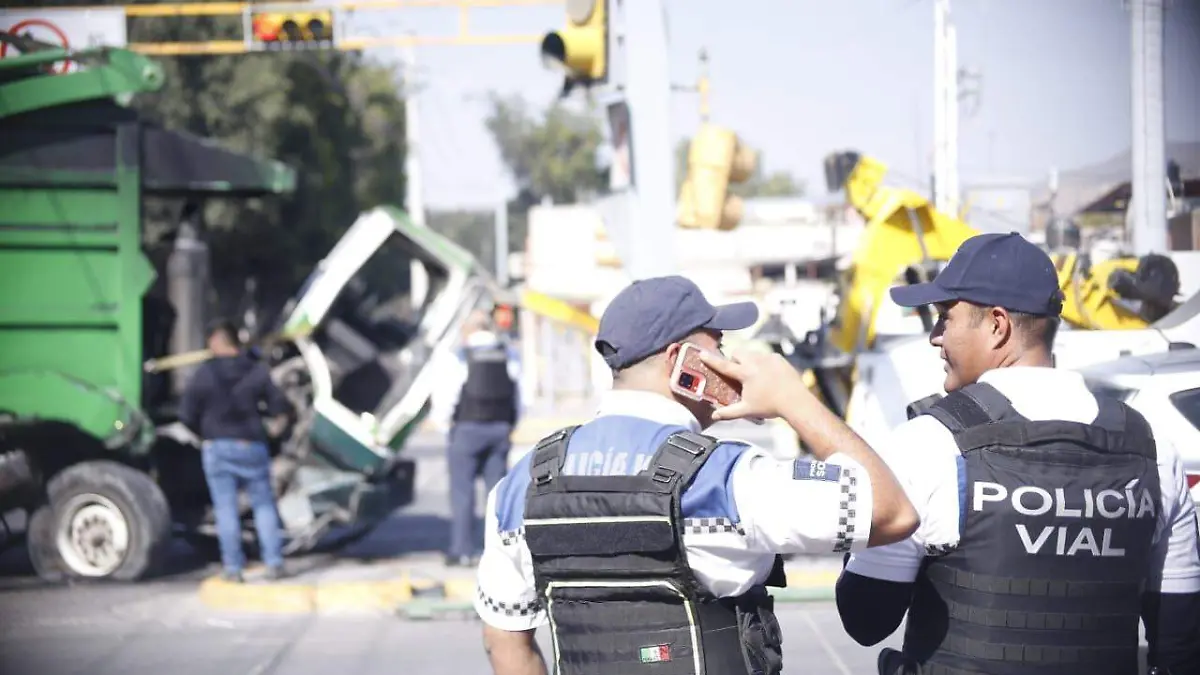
(838, 167)
(503, 315)
(293, 27)
(716, 158)
(581, 48)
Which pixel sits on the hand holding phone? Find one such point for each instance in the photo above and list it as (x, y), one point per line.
(691, 377)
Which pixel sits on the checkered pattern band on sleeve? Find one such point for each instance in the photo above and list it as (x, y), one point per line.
(711, 526)
(510, 608)
(847, 510)
(511, 537)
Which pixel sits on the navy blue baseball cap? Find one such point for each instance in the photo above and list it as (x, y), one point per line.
(650, 314)
(993, 270)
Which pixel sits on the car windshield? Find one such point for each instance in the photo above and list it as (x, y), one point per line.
(369, 324)
(1188, 405)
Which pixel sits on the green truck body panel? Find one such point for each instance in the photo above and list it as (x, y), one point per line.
(72, 271)
(74, 280)
(110, 73)
(349, 451)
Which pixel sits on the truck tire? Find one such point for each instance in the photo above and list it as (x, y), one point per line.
(104, 520)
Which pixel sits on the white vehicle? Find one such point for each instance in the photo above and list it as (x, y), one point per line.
(903, 368)
(1165, 388)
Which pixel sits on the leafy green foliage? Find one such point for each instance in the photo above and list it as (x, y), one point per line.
(473, 230)
(556, 156)
(337, 118)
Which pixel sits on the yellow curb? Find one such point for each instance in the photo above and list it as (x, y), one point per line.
(275, 598)
(361, 595)
(384, 595)
(459, 589)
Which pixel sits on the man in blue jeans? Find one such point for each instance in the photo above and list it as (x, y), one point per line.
(221, 405)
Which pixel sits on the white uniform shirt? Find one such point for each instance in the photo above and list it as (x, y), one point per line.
(445, 396)
(924, 456)
(758, 507)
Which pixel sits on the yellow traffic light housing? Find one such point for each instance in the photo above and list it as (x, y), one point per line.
(293, 27)
(581, 47)
(716, 158)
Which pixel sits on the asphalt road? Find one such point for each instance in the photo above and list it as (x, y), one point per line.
(93, 629)
(161, 627)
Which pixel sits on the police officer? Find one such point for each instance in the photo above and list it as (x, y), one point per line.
(1051, 520)
(479, 401)
(646, 543)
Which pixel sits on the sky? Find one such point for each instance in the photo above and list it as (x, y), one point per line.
(799, 79)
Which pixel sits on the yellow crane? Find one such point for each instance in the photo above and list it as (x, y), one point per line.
(906, 239)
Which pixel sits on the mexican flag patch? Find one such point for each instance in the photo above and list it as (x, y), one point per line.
(655, 654)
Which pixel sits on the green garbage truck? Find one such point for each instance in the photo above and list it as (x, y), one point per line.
(92, 456)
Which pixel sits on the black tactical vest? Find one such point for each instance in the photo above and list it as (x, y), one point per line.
(1055, 534)
(489, 394)
(612, 572)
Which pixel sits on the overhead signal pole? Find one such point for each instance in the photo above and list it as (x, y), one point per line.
(275, 26)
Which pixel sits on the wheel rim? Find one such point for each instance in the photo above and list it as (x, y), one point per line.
(93, 535)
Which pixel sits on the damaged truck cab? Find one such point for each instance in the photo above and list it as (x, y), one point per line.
(359, 368)
(92, 457)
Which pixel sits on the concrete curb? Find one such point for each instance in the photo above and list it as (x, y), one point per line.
(412, 598)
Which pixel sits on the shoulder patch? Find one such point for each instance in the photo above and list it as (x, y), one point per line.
(808, 469)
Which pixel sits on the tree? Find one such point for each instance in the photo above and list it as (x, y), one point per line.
(556, 156)
(473, 230)
(336, 118)
(760, 184)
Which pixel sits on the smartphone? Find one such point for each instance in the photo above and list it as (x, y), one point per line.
(693, 379)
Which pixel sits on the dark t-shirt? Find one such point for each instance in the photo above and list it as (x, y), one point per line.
(221, 400)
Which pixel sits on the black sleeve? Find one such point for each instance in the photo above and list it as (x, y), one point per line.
(1173, 631)
(871, 609)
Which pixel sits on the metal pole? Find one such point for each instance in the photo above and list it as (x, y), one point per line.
(1149, 172)
(188, 279)
(1053, 232)
(651, 237)
(939, 102)
(502, 243)
(952, 188)
(414, 197)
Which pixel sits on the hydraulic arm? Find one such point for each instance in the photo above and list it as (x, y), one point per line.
(905, 236)
(110, 72)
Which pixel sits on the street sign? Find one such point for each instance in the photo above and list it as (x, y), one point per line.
(66, 28)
